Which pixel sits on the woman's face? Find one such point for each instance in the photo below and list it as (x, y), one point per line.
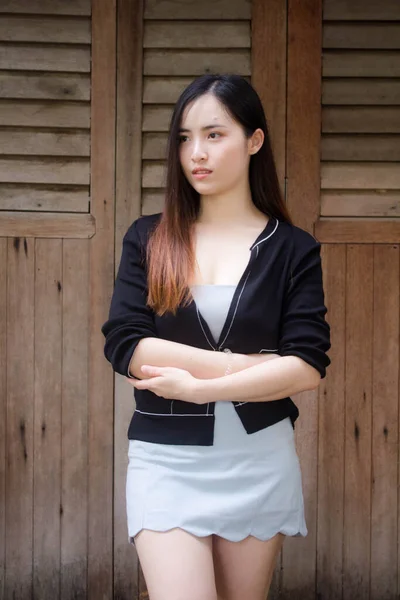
(215, 146)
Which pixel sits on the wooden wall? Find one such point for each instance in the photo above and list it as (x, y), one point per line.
(57, 163)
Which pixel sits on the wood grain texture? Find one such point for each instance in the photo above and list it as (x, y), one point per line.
(74, 471)
(153, 174)
(212, 34)
(52, 199)
(153, 201)
(359, 175)
(154, 146)
(42, 29)
(47, 418)
(360, 64)
(361, 10)
(379, 119)
(303, 155)
(360, 203)
(45, 170)
(101, 279)
(163, 90)
(269, 72)
(190, 9)
(3, 410)
(127, 209)
(20, 417)
(331, 431)
(385, 413)
(362, 91)
(41, 143)
(44, 86)
(176, 63)
(46, 225)
(156, 118)
(360, 148)
(49, 7)
(357, 501)
(359, 230)
(44, 57)
(361, 35)
(45, 114)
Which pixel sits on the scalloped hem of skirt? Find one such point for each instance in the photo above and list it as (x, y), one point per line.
(300, 533)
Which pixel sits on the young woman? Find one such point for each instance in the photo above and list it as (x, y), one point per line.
(217, 317)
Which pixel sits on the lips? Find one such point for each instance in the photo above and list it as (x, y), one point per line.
(201, 171)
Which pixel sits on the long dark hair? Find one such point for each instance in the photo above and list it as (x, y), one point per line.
(170, 252)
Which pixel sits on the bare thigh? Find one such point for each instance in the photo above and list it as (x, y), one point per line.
(176, 565)
(244, 569)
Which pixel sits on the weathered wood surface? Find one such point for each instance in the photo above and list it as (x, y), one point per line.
(28, 197)
(101, 280)
(48, 225)
(193, 10)
(357, 203)
(361, 10)
(357, 230)
(47, 7)
(65, 30)
(44, 86)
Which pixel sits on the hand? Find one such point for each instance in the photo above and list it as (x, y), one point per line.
(169, 382)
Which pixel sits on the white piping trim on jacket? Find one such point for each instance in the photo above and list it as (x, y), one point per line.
(268, 350)
(241, 403)
(201, 325)
(174, 415)
(268, 236)
(234, 314)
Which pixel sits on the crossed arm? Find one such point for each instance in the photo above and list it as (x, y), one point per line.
(256, 377)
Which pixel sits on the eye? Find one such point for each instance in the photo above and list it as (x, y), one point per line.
(182, 138)
(215, 134)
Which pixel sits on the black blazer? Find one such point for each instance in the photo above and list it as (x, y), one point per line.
(278, 306)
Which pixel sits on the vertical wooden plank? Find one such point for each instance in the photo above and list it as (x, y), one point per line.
(19, 428)
(357, 500)
(47, 419)
(100, 477)
(304, 110)
(385, 413)
(331, 431)
(128, 208)
(74, 501)
(268, 71)
(303, 183)
(3, 411)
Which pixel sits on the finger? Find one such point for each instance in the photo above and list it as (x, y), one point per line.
(151, 371)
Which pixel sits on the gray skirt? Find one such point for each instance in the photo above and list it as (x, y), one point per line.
(245, 484)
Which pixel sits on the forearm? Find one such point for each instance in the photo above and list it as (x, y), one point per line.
(202, 364)
(271, 380)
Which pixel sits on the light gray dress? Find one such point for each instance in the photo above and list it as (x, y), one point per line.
(245, 484)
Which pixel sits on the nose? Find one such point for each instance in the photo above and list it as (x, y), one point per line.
(198, 152)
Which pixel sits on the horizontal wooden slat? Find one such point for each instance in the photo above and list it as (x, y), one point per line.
(163, 90)
(360, 204)
(28, 57)
(152, 201)
(153, 174)
(372, 175)
(154, 146)
(67, 30)
(156, 118)
(360, 147)
(361, 91)
(181, 34)
(380, 119)
(53, 199)
(357, 231)
(47, 7)
(179, 63)
(46, 170)
(44, 143)
(47, 225)
(45, 114)
(192, 9)
(361, 35)
(44, 86)
(361, 10)
(360, 64)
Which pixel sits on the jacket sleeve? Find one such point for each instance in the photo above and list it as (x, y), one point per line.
(304, 331)
(129, 319)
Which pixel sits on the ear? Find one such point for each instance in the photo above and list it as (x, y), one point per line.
(256, 141)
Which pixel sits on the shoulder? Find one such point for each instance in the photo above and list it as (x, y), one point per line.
(141, 227)
(298, 240)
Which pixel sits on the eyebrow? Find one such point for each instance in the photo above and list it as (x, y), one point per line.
(203, 128)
